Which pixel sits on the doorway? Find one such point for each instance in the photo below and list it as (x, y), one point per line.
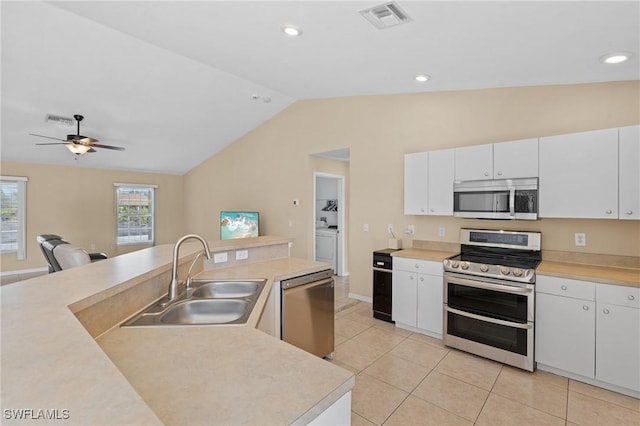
(329, 220)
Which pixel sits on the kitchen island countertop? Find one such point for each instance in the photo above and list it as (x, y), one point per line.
(51, 366)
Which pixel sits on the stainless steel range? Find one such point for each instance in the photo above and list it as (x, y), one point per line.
(489, 295)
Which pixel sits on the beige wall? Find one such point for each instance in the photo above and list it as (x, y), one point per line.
(79, 204)
(270, 166)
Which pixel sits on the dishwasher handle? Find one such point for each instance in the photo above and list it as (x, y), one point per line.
(304, 287)
(306, 279)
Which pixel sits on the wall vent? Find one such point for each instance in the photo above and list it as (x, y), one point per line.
(386, 15)
(58, 119)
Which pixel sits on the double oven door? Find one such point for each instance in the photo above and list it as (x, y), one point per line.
(491, 318)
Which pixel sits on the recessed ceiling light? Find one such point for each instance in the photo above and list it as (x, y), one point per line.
(291, 30)
(615, 58)
(422, 78)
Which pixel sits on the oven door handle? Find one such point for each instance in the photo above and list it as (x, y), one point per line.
(527, 326)
(489, 286)
(512, 201)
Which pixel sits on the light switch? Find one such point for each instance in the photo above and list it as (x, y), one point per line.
(220, 257)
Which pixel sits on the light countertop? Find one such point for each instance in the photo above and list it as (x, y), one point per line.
(601, 274)
(155, 375)
(423, 254)
(577, 271)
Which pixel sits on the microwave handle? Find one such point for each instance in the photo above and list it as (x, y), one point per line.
(512, 201)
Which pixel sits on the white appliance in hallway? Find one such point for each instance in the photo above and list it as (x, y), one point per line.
(327, 247)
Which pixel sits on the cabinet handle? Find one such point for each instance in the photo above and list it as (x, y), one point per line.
(629, 212)
(608, 212)
(563, 287)
(422, 279)
(416, 265)
(605, 311)
(411, 277)
(486, 173)
(499, 173)
(631, 297)
(432, 210)
(421, 210)
(585, 308)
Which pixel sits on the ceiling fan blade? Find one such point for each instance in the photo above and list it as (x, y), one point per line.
(48, 137)
(99, 145)
(85, 140)
(52, 143)
(92, 150)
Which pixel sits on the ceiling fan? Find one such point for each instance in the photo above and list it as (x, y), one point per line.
(77, 143)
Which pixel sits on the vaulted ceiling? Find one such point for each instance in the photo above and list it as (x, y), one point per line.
(174, 82)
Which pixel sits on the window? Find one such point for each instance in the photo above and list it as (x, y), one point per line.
(135, 214)
(13, 205)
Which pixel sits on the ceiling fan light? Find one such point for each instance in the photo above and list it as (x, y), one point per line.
(77, 148)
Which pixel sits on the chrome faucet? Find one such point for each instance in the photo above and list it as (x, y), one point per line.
(173, 286)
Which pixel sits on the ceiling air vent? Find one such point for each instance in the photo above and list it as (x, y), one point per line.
(58, 119)
(386, 15)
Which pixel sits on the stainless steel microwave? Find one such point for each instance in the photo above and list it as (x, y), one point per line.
(496, 199)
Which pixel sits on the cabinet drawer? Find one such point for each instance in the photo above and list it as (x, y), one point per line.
(564, 287)
(415, 265)
(618, 295)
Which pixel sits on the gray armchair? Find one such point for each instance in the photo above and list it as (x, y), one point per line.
(60, 255)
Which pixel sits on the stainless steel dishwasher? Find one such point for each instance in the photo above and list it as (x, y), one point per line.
(307, 312)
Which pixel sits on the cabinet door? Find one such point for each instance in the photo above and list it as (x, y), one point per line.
(515, 159)
(415, 183)
(326, 248)
(579, 175)
(618, 345)
(403, 300)
(629, 172)
(440, 182)
(565, 333)
(430, 300)
(474, 162)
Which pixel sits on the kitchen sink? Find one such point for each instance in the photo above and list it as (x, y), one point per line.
(206, 302)
(208, 311)
(225, 289)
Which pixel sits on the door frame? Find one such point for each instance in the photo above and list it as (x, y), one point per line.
(341, 253)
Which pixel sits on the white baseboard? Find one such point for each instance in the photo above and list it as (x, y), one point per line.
(360, 298)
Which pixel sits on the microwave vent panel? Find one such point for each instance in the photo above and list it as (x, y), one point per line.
(386, 15)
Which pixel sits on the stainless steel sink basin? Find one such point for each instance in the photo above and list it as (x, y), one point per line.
(205, 311)
(225, 289)
(207, 302)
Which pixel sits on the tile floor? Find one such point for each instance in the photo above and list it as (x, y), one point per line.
(405, 378)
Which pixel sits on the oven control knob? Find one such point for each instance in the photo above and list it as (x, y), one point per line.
(455, 263)
(484, 268)
(464, 265)
(517, 272)
(504, 270)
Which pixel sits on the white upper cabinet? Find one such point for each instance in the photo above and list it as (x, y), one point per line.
(440, 186)
(428, 183)
(629, 178)
(415, 183)
(579, 175)
(505, 160)
(515, 159)
(474, 162)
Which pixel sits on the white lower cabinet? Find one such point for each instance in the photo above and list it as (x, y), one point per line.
(618, 335)
(564, 333)
(590, 331)
(417, 295)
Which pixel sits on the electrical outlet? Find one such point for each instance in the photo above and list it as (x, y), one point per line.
(441, 231)
(296, 202)
(410, 230)
(390, 228)
(220, 257)
(581, 239)
(290, 223)
(365, 227)
(242, 254)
